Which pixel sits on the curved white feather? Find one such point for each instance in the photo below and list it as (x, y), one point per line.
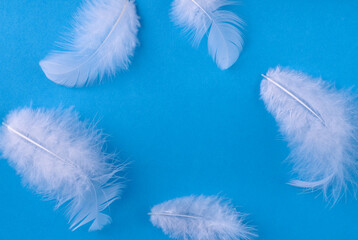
(62, 159)
(102, 41)
(200, 218)
(200, 16)
(321, 126)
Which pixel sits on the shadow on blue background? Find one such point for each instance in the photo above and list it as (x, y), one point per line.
(187, 127)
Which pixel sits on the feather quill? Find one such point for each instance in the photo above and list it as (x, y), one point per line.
(200, 218)
(62, 159)
(103, 40)
(320, 124)
(223, 27)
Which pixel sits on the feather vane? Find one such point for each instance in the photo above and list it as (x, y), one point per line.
(320, 124)
(102, 41)
(62, 159)
(200, 218)
(201, 16)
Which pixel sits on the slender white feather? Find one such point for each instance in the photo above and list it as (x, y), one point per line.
(223, 27)
(200, 218)
(320, 124)
(62, 159)
(102, 41)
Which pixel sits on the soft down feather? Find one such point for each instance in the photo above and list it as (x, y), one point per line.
(200, 218)
(62, 159)
(320, 124)
(198, 17)
(102, 41)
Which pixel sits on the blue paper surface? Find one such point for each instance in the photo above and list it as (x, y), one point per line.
(186, 126)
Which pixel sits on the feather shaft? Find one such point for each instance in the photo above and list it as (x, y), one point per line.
(202, 9)
(173, 215)
(295, 97)
(115, 25)
(28, 139)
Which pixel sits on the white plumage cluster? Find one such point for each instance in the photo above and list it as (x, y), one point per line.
(201, 16)
(102, 41)
(321, 126)
(200, 218)
(62, 159)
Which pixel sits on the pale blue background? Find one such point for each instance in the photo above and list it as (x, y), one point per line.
(187, 127)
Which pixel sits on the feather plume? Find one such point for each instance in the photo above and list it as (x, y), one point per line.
(223, 27)
(200, 218)
(103, 40)
(62, 159)
(320, 124)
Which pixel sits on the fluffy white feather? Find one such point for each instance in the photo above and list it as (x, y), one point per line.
(201, 16)
(200, 218)
(320, 124)
(62, 159)
(102, 41)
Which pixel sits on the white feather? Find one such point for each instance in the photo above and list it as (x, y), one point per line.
(320, 124)
(200, 218)
(201, 16)
(62, 159)
(102, 41)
